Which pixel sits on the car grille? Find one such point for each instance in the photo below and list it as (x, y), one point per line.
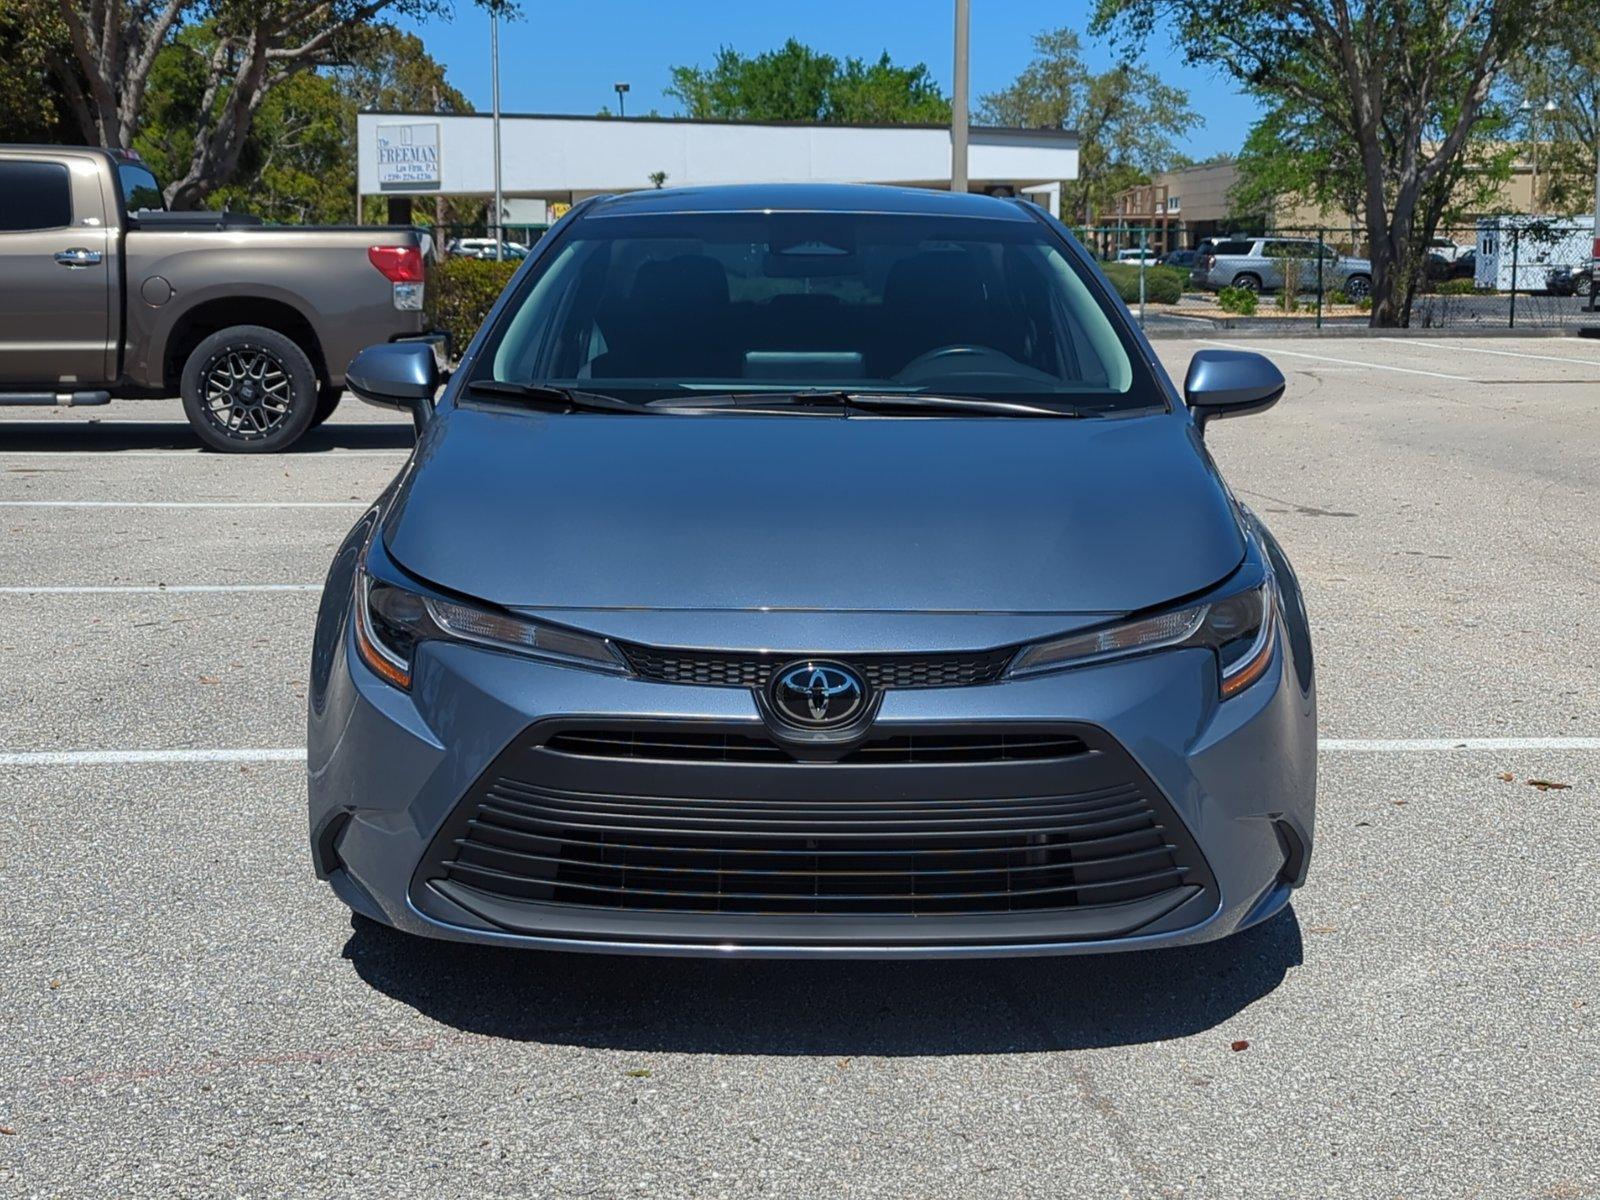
(683, 819)
(710, 668)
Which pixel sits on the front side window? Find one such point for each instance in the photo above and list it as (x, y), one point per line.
(34, 195)
(645, 306)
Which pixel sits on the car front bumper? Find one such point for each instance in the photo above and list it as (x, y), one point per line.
(395, 778)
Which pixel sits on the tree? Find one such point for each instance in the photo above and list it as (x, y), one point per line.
(105, 54)
(797, 83)
(1405, 84)
(1560, 85)
(1128, 121)
(297, 164)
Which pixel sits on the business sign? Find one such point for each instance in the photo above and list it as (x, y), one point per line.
(408, 155)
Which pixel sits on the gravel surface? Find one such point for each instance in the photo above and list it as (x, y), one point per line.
(185, 1011)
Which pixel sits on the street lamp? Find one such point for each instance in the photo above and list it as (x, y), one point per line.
(622, 98)
(958, 101)
(1533, 132)
(494, 71)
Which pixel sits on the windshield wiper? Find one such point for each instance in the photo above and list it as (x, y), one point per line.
(560, 398)
(873, 402)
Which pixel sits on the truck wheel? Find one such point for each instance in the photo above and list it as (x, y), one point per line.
(249, 390)
(1247, 282)
(1358, 287)
(327, 400)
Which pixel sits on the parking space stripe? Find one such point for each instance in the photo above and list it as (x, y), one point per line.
(1453, 348)
(1270, 351)
(182, 504)
(104, 758)
(117, 758)
(178, 589)
(1414, 745)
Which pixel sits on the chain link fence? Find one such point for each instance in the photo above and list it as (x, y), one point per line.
(1510, 272)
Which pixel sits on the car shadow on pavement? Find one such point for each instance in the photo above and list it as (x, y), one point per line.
(691, 1005)
(75, 437)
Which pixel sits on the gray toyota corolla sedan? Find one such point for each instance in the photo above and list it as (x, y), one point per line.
(812, 571)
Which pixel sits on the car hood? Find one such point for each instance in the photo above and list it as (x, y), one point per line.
(965, 514)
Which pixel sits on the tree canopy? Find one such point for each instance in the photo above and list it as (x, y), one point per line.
(1398, 88)
(1129, 122)
(90, 64)
(797, 83)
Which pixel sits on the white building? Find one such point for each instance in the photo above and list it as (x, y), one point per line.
(1517, 253)
(565, 158)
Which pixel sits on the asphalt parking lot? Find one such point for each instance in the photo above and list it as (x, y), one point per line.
(185, 1011)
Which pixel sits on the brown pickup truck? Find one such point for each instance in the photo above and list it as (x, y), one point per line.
(103, 294)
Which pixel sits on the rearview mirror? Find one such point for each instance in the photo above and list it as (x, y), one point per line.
(1230, 383)
(396, 375)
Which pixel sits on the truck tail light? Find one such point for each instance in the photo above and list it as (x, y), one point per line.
(399, 264)
(402, 266)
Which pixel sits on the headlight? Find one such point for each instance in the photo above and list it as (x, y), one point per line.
(390, 621)
(1239, 629)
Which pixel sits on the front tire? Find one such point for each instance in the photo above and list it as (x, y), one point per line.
(1248, 283)
(1358, 287)
(249, 390)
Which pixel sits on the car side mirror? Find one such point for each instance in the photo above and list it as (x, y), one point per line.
(396, 375)
(1230, 383)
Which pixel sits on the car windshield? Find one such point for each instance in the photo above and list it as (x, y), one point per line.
(646, 306)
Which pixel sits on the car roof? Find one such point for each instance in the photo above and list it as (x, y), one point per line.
(807, 197)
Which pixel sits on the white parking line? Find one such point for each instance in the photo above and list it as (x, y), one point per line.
(1344, 362)
(182, 504)
(1413, 745)
(296, 456)
(102, 758)
(111, 758)
(179, 589)
(1453, 346)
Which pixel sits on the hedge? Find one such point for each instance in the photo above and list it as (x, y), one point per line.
(1162, 285)
(461, 291)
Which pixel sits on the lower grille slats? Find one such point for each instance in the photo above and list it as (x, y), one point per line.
(684, 819)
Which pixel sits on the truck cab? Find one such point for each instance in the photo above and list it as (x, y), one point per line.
(108, 295)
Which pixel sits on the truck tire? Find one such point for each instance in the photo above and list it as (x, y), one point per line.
(1247, 282)
(327, 400)
(249, 390)
(1358, 287)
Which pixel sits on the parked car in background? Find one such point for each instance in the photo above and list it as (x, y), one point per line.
(1573, 280)
(1440, 268)
(1183, 259)
(476, 247)
(1015, 674)
(1134, 255)
(1259, 265)
(105, 295)
(1449, 250)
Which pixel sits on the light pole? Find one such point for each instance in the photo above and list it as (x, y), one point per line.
(958, 101)
(494, 71)
(622, 90)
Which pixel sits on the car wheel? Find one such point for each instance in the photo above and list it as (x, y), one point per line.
(249, 390)
(1358, 287)
(1249, 283)
(328, 398)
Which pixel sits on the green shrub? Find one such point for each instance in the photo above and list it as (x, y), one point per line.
(1364, 304)
(460, 293)
(1456, 287)
(1238, 300)
(1338, 296)
(1162, 285)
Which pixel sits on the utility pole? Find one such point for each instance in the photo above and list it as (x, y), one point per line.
(622, 99)
(958, 103)
(494, 70)
(1594, 270)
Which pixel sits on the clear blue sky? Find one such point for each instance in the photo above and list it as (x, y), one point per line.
(564, 57)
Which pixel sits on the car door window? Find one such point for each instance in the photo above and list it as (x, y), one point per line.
(34, 195)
